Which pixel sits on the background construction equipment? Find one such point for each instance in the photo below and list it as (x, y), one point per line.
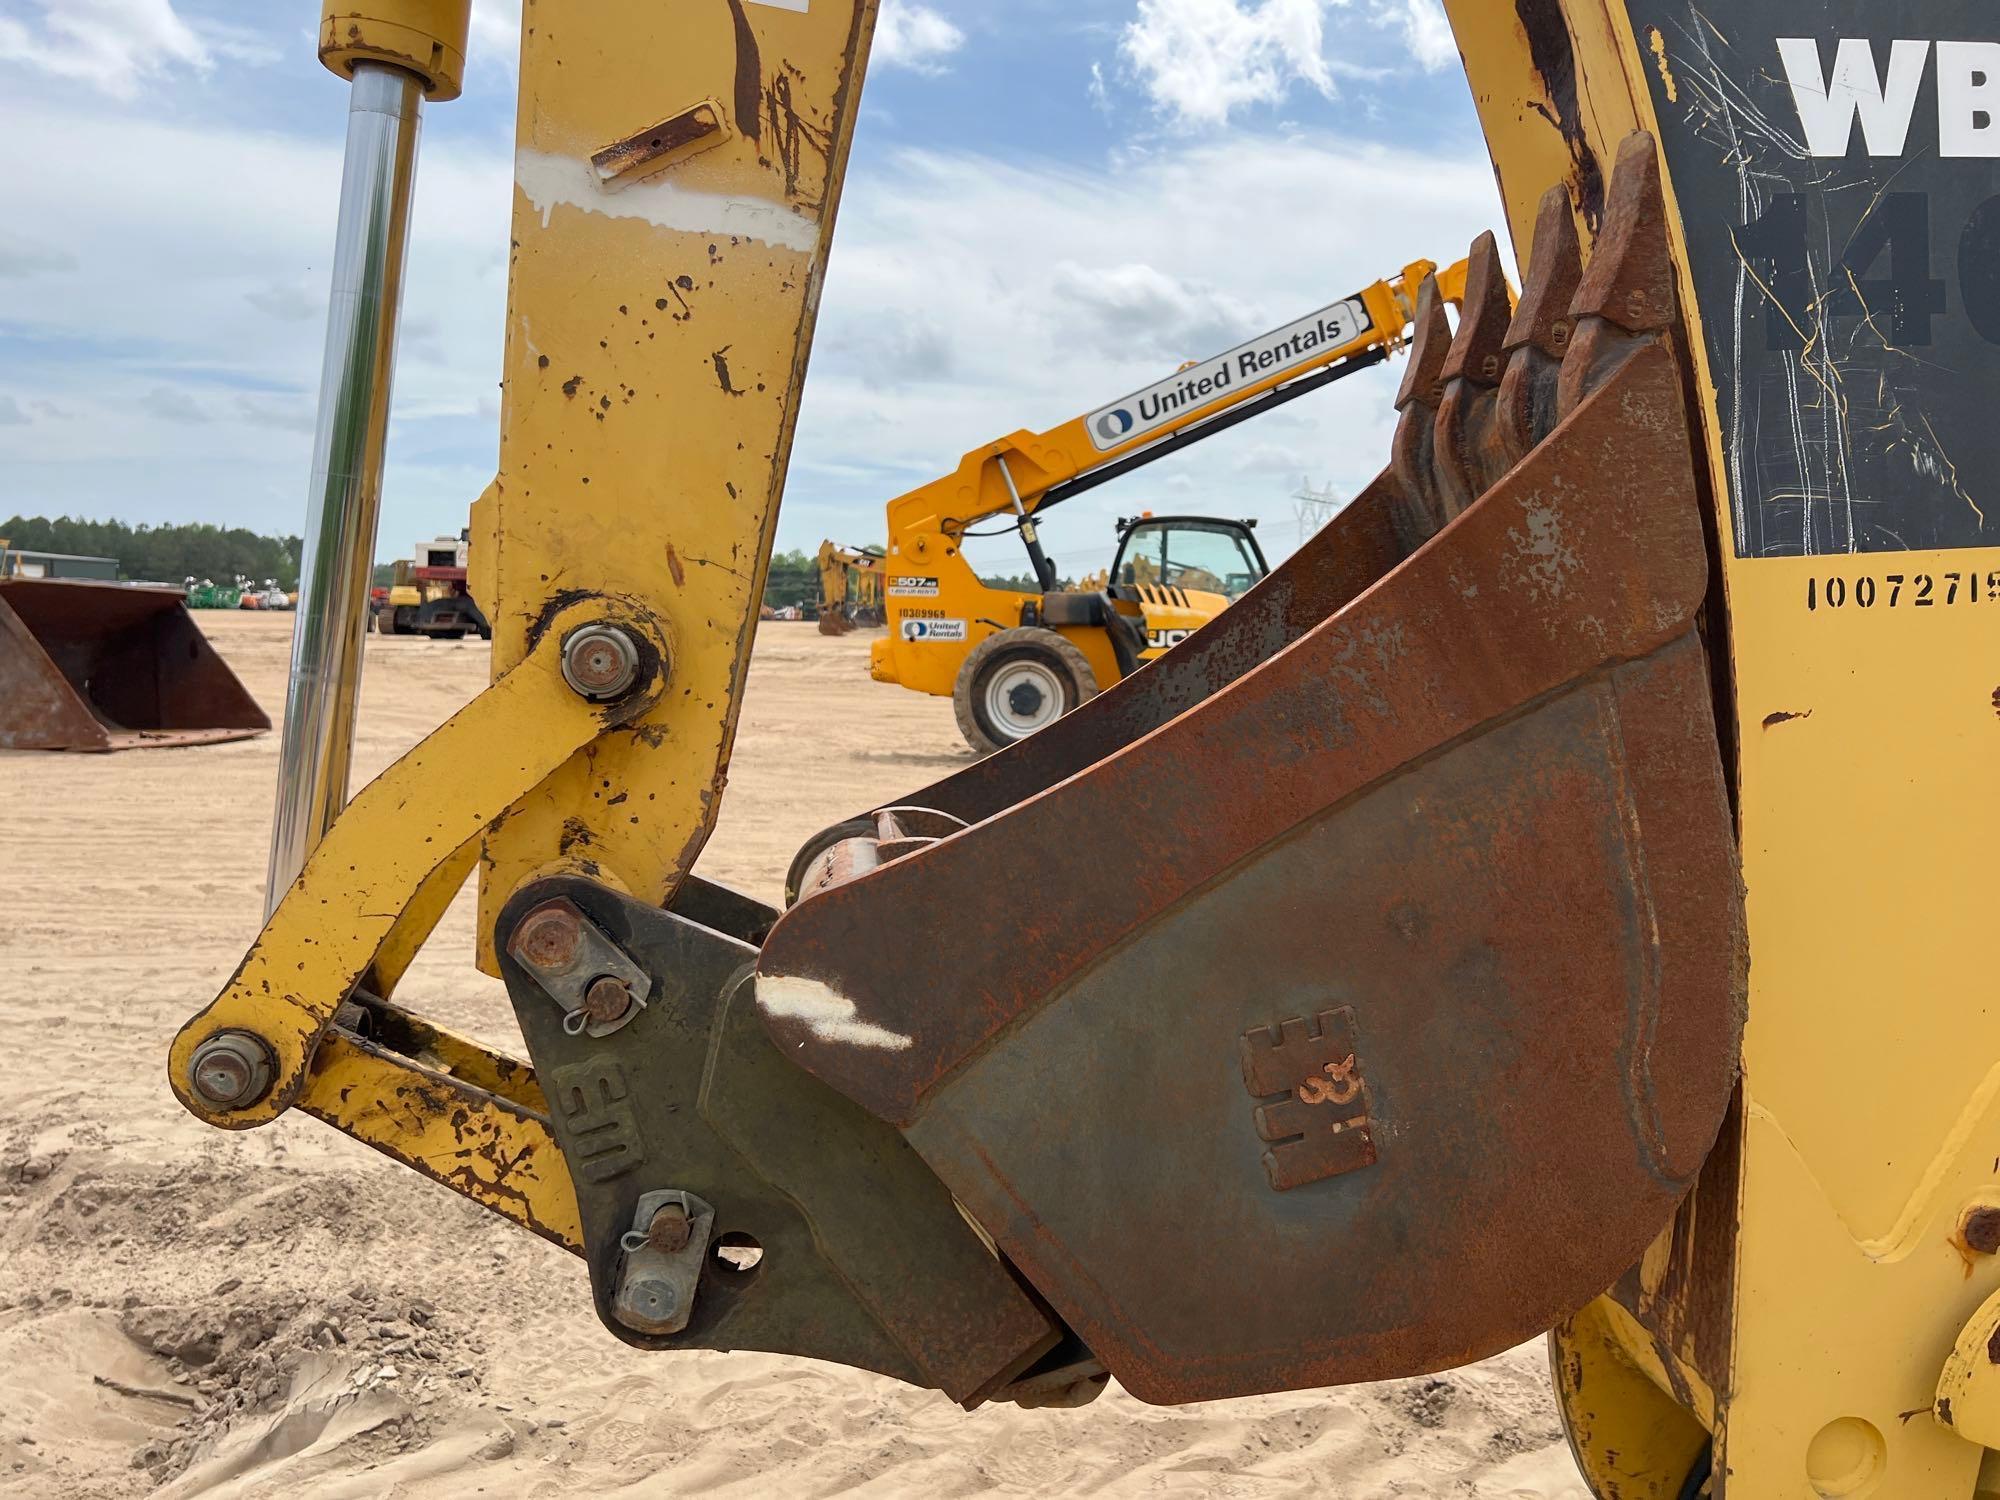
(850, 588)
(111, 666)
(428, 595)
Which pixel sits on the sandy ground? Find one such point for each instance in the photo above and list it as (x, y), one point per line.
(282, 1312)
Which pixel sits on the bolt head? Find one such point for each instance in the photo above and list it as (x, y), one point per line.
(607, 1000)
(600, 662)
(670, 1230)
(232, 1070)
(1981, 1230)
(548, 938)
(649, 1304)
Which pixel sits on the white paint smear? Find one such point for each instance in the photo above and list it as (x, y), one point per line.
(829, 1016)
(548, 180)
(801, 6)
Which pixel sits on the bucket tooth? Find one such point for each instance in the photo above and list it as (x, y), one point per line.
(111, 666)
(1540, 334)
(1420, 513)
(1627, 293)
(1467, 452)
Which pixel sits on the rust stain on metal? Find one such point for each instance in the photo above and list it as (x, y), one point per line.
(496, 1151)
(1981, 1231)
(1554, 58)
(547, 938)
(607, 1000)
(794, 136)
(674, 138)
(675, 568)
(749, 75)
(670, 1230)
(721, 360)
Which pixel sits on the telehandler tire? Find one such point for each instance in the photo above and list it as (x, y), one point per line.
(1016, 682)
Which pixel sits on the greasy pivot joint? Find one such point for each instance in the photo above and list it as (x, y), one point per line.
(232, 1070)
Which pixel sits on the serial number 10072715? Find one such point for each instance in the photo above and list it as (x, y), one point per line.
(1903, 591)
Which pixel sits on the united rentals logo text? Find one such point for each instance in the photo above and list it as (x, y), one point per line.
(1311, 337)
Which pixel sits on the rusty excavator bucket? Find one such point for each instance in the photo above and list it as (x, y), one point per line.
(835, 622)
(111, 666)
(1377, 995)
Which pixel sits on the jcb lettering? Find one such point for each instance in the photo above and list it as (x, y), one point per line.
(1884, 101)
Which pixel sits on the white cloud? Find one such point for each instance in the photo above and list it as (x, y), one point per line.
(1139, 306)
(11, 414)
(294, 301)
(1057, 289)
(1201, 60)
(202, 272)
(110, 44)
(1099, 91)
(23, 257)
(171, 405)
(496, 35)
(914, 36)
(1425, 31)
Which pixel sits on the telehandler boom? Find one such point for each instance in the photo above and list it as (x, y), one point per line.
(1557, 898)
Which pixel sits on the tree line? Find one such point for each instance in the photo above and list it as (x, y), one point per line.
(163, 554)
(169, 554)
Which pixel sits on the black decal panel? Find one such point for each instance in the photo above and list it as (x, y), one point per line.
(1831, 163)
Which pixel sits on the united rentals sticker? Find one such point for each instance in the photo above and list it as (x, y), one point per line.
(933, 630)
(911, 587)
(1197, 386)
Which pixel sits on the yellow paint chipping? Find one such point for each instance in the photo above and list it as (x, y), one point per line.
(1659, 46)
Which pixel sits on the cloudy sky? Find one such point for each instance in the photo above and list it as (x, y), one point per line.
(1051, 202)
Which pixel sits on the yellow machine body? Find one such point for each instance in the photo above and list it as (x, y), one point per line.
(1810, 1294)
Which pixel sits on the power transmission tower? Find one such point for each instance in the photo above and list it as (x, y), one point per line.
(1313, 508)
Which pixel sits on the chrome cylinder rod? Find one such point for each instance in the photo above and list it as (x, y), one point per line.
(370, 245)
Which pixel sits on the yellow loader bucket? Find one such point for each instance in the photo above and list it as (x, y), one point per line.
(111, 666)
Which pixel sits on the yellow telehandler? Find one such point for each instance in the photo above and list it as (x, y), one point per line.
(1558, 898)
(1014, 662)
